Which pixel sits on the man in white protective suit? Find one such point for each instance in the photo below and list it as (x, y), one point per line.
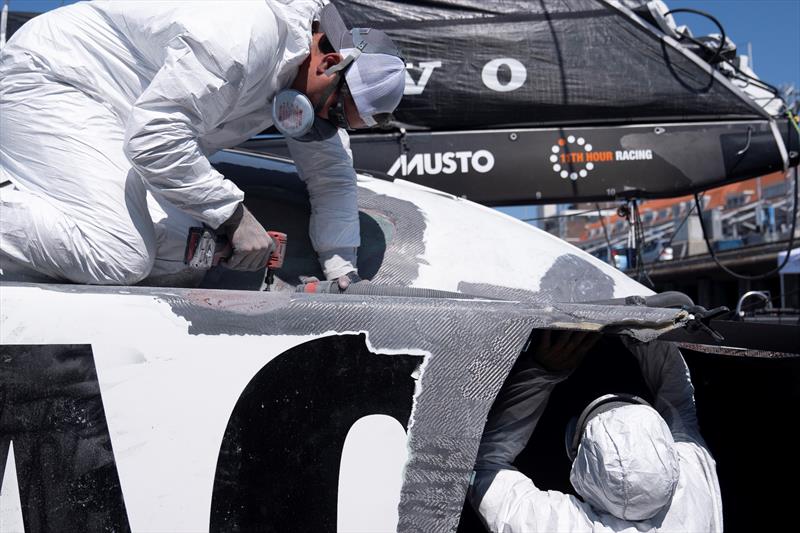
(110, 111)
(636, 468)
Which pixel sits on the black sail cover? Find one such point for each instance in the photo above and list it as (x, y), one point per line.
(512, 101)
(505, 63)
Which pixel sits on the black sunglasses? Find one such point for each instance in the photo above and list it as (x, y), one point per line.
(338, 116)
(336, 113)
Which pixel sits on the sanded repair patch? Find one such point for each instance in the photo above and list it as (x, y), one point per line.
(472, 345)
(468, 346)
(396, 259)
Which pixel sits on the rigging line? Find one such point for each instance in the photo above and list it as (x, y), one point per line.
(758, 83)
(756, 80)
(558, 216)
(641, 271)
(605, 232)
(768, 102)
(756, 276)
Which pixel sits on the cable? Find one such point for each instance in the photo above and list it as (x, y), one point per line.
(755, 305)
(718, 52)
(777, 93)
(713, 19)
(605, 232)
(638, 235)
(630, 212)
(746, 276)
(762, 83)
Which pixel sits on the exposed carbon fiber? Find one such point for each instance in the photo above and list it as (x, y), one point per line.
(391, 235)
(472, 346)
(736, 352)
(469, 346)
(403, 226)
(365, 288)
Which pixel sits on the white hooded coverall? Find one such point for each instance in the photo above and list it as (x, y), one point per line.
(109, 113)
(509, 502)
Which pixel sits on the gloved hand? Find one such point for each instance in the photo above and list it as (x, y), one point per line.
(347, 279)
(338, 285)
(250, 242)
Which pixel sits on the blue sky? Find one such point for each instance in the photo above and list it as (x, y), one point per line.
(771, 26)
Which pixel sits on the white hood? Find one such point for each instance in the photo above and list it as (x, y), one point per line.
(627, 464)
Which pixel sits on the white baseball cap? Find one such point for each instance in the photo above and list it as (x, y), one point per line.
(374, 68)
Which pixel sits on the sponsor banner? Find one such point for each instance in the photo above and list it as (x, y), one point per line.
(573, 157)
(513, 166)
(480, 161)
(568, 164)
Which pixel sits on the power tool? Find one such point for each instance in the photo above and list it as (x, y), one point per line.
(205, 249)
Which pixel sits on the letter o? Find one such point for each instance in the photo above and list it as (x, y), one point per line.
(518, 74)
(485, 167)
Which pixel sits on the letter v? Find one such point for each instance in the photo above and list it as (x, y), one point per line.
(413, 88)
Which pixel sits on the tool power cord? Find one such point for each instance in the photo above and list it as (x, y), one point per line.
(789, 247)
(718, 52)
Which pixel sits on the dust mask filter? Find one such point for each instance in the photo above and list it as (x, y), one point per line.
(294, 116)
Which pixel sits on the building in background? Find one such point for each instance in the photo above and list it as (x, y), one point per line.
(748, 224)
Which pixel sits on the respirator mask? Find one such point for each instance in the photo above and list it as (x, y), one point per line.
(295, 116)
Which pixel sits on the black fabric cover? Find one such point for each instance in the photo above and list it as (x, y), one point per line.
(586, 62)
